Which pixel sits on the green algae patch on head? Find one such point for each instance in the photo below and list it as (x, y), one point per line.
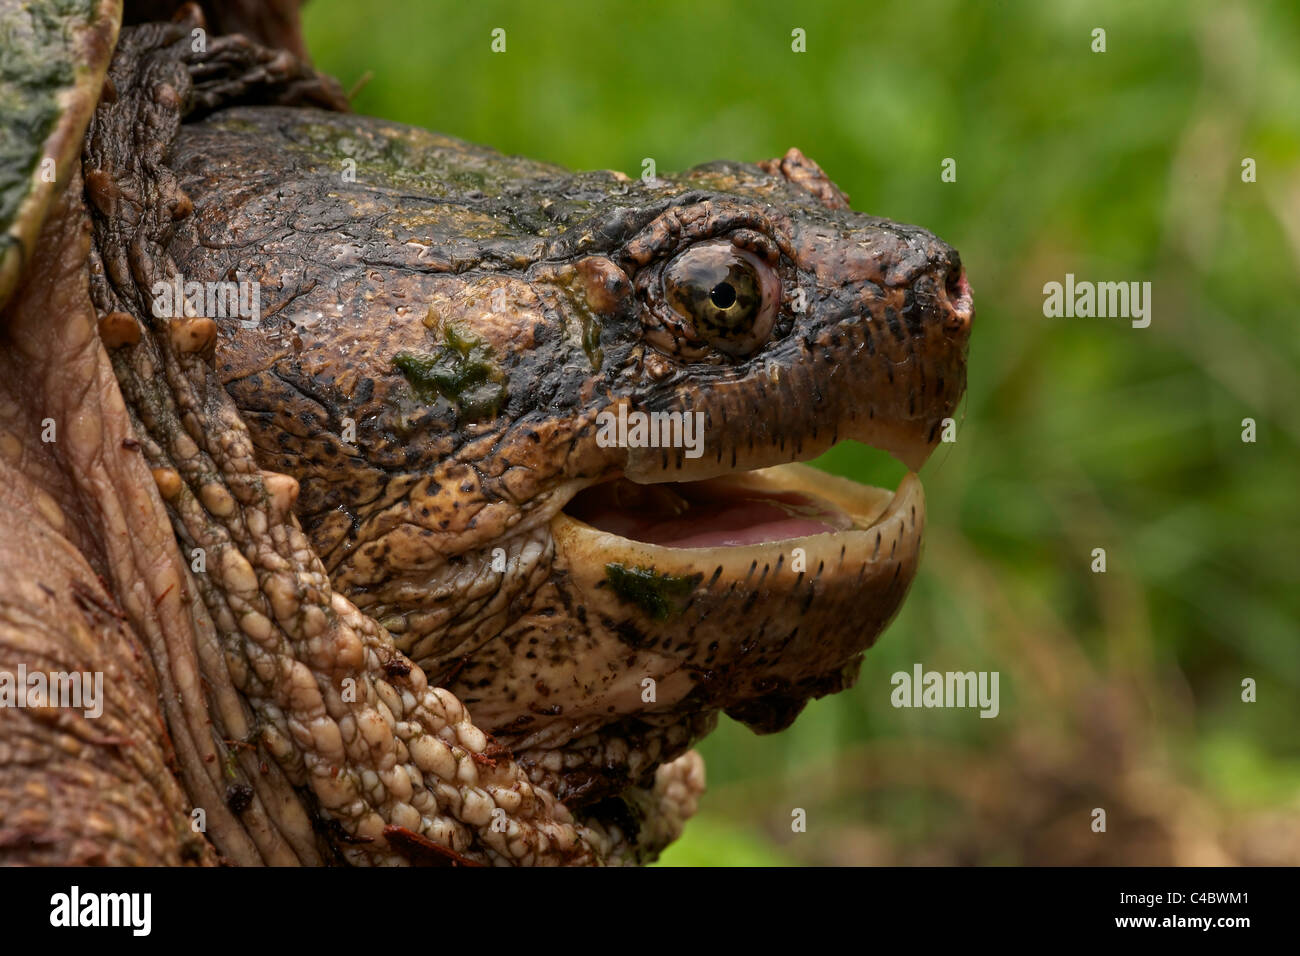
(463, 370)
(591, 340)
(573, 288)
(660, 596)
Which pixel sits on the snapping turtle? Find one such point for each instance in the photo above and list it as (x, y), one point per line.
(415, 503)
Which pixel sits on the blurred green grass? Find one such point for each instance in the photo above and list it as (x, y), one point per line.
(1076, 433)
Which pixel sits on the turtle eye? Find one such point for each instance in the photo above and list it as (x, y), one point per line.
(727, 296)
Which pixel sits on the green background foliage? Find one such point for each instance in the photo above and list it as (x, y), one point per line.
(1119, 690)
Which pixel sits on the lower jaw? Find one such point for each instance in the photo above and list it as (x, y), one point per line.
(732, 625)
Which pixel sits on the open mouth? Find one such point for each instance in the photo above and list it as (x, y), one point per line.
(783, 573)
(745, 510)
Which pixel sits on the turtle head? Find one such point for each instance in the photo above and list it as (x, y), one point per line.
(547, 425)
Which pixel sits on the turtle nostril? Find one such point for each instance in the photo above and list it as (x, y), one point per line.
(960, 300)
(956, 283)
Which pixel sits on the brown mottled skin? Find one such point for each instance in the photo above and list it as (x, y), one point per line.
(399, 646)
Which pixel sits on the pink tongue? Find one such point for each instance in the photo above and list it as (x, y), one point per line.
(750, 522)
(716, 524)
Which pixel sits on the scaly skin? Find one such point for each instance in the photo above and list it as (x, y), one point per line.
(313, 677)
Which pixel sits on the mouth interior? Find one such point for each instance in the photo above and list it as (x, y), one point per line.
(713, 513)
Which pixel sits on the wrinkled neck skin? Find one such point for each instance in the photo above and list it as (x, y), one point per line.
(90, 583)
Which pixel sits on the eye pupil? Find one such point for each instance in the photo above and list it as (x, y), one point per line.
(720, 296)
